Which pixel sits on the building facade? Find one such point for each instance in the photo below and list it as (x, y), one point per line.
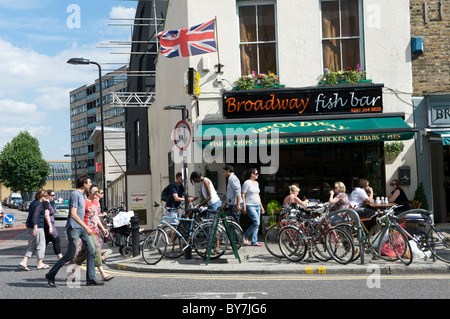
(303, 132)
(85, 117)
(431, 88)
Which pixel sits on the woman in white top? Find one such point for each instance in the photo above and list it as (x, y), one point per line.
(209, 192)
(252, 206)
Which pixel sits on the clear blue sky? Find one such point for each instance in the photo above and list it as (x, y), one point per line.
(37, 37)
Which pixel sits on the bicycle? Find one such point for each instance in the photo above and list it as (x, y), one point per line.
(384, 235)
(196, 237)
(316, 236)
(436, 239)
(289, 216)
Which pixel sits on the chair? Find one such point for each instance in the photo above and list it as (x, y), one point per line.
(414, 204)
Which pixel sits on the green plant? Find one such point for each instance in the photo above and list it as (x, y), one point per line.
(272, 209)
(420, 196)
(350, 75)
(248, 82)
(393, 149)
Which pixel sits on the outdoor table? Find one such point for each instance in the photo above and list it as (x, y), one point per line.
(381, 206)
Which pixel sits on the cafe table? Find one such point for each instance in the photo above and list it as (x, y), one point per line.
(381, 206)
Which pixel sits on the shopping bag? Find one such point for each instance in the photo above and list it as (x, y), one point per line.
(122, 219)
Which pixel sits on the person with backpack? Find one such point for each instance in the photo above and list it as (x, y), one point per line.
(173, 194)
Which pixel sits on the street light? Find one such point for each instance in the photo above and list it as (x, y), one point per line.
(78, 61)
(74, 174)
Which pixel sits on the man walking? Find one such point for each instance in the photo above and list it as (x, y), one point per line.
(233, 193)
(77, 229)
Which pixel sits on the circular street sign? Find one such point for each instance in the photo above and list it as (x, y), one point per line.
(182, 135)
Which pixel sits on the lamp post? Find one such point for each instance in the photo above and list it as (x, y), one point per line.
(74, 174)
(77, 61)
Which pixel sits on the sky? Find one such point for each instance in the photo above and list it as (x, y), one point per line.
(37, 37)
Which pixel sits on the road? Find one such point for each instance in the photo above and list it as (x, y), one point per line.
(250, 288)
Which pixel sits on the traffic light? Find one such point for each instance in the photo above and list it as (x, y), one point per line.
(193, 82)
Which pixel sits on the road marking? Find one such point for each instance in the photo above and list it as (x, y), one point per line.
(267, 277)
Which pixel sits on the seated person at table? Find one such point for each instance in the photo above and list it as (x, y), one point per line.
(293, 197)
(359, 197)
(398, 196)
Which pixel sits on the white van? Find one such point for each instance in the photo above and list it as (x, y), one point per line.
(14, 197)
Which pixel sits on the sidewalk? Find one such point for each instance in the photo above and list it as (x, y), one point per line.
(258, 261)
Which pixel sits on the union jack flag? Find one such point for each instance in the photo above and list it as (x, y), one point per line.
(186, 42)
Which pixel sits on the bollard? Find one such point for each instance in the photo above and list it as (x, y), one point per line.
(134, 220)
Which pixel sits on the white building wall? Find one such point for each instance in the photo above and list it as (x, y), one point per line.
(386, 52)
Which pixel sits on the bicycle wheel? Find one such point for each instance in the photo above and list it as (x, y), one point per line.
(319, 247)
(339, 245)
(271, 241)
(237, 234)
(354, 235)
(154, 246)
(175, 243)
(200, 241)
(292, 244)
(379, 243)
(400, 244)
(438, 239)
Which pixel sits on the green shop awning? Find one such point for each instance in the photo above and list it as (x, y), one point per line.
(445, 136)
(235, 134)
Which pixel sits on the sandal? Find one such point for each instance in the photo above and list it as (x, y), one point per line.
(108, 278)
(25, 268)
(45, 266)
(257, 245)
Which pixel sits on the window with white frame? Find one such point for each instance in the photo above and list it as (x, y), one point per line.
(341, 34)
(257, 37)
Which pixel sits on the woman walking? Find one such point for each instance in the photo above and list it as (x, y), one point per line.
(252, 206)
(35, 225)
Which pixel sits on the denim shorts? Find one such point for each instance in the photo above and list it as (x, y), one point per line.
(173, 214)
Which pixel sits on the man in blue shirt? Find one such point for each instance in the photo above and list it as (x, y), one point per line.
(176, 191)
(77, 229)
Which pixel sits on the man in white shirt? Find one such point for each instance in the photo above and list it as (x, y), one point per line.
(233, 193)
(359, 197)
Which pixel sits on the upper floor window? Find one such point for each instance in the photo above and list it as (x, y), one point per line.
(341, 34)
(257, 38)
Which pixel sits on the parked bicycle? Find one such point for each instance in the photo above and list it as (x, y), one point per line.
(386, 240)
(173, 240)
(315, 235)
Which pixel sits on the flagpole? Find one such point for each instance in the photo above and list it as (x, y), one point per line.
(219, 66)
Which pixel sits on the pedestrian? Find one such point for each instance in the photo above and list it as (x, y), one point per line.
(101, 214)
(35, 226)
(252, 206)
(233, 193)
(211, 199)
(93, 222)
(292, 198)
(51, 233)
(76, 229)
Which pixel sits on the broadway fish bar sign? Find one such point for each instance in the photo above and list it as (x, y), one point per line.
(303, 101)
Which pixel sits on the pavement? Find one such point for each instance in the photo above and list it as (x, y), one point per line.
(257, 260)
(253, 260)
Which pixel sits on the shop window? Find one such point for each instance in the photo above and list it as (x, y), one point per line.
(257, 38)
(341, 34)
